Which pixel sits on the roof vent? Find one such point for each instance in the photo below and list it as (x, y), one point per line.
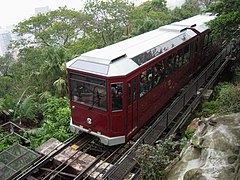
(117, 58)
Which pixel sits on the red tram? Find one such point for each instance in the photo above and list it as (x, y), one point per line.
(115, 90)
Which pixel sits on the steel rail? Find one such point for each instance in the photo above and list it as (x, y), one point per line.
(38, 164)
(105, 161)
(83, 142)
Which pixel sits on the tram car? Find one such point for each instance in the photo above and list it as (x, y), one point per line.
(115, 90)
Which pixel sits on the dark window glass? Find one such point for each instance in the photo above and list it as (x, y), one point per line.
(132, 91)
(88, 90)
(148, 55)
(206, 40)
(134, 82)
(169, 64)
(117, 96)
(129, 93)
(143, 83)
(179, 59)
(159, 73)
(186, 52)
(146, 81)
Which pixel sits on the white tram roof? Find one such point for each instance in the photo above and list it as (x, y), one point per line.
(121, 58)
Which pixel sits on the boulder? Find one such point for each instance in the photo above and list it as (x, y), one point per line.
(213, 152)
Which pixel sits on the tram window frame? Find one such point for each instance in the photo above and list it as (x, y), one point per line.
(117, 96)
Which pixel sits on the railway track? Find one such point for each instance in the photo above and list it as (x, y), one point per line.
(75, 149)
(118, 162)
(40, 163)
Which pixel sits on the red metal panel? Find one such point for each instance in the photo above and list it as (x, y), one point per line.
(117, 123)
(99, 120)
(132, 105)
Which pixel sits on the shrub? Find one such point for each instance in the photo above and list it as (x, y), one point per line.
(227, 100)
(154, 159)
(55, 123)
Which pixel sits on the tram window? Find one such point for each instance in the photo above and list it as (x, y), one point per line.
(146, 81)
(192, 50)
(132, 91)
(143, 82)
(134, 82)
(210, 39)
(179, 59)
(117, 96)
(158, 71)
(88, 90)
(206, 39)
(186, 52)
(149, 79)
(129, 93)
(169, 64)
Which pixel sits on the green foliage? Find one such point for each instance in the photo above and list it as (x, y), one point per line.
(54, 28)
(228, 19)
(236, 77)
(154, 159)
(79, 46)
(188, 9)
(227, 100)
(107, 21)
(5, 62)
(7, 140)
(55, 123)
(155, 5)
(207, 3)
(210, 108)
(38, 68)
(26, 109)
(143, 20)
(189, 133)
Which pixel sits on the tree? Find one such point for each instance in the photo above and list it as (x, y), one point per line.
(143, 21)
(107, 21)
(149, 16)
(207, 3)
(155, 5)
(53, 28)
(188, 9)
(5, 62)
(228, 20)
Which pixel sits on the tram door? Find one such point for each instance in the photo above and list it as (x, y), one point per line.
(132, 117)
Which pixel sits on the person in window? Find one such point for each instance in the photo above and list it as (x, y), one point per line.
(75, 95)
(116, 91)
(143, 83)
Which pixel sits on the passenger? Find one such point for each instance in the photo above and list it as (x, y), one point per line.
(143, 82)
(117, 99)
(149, 82)
(75, 95)
(113, 91)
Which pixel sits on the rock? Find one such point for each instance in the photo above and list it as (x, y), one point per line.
(213, 153)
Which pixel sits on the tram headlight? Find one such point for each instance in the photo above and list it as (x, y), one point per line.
(89, 120)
